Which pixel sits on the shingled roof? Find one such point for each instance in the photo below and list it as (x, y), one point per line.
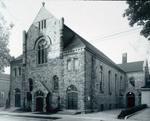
(132, 66)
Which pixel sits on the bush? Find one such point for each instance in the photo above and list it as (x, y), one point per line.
(129, 111)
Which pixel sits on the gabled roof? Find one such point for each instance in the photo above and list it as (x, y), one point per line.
(72, 39)
(132, 66)
(43, 14)
(19, 58)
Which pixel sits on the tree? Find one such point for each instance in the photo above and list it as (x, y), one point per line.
(4, 39)
(138, 12)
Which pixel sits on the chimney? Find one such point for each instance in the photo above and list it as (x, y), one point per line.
(124, 58)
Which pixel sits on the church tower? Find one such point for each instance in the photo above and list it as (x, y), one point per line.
(146, 72)
(42, 60)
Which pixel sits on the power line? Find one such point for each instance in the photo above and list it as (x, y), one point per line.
(119, 33)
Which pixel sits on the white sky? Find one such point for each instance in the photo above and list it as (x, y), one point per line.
(93, 20)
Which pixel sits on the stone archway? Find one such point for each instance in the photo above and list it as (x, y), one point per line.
(48, 102)
(39, 101)
(130, 97)
(17, 97)
(72, 97)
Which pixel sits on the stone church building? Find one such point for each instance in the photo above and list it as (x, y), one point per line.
(60, 70)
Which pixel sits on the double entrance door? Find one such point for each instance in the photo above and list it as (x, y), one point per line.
(72, 100)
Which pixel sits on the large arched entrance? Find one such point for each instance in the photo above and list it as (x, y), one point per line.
(130, 99)
(48, 102)
(17, 97)
(39, 95)
(72, 97)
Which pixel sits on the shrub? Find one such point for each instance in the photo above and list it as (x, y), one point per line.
(131, 111)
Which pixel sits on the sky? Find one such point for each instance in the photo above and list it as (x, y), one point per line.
(99, 22)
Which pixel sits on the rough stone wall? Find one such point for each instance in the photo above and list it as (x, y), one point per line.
(94, 97)
(139, 78)
(139, 82)
(74, 77)
(45, 73)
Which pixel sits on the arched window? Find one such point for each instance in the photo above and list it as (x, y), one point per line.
(115, 84)
(39, 93)
(109, 82)
(55, 82)
(132, 81)
(42, 51)
(101, 78)
(71, 88)
(30, 85)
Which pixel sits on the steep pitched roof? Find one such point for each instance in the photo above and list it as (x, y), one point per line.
(43, 14)
(132, 66)
(75, 40)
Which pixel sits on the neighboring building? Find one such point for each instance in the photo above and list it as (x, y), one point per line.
(145, 96)
(4, 88)
(59, 69)
(145, 90)
(16, 81)
(135, 72)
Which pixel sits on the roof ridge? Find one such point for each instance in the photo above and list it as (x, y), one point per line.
(131, 62)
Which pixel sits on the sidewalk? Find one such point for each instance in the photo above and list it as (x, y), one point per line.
(143, 115)
(110, 115)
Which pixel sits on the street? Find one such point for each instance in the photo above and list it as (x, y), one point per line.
(97, 116)
(14, 118)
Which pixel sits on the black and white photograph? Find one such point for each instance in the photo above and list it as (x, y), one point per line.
(74, 60)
